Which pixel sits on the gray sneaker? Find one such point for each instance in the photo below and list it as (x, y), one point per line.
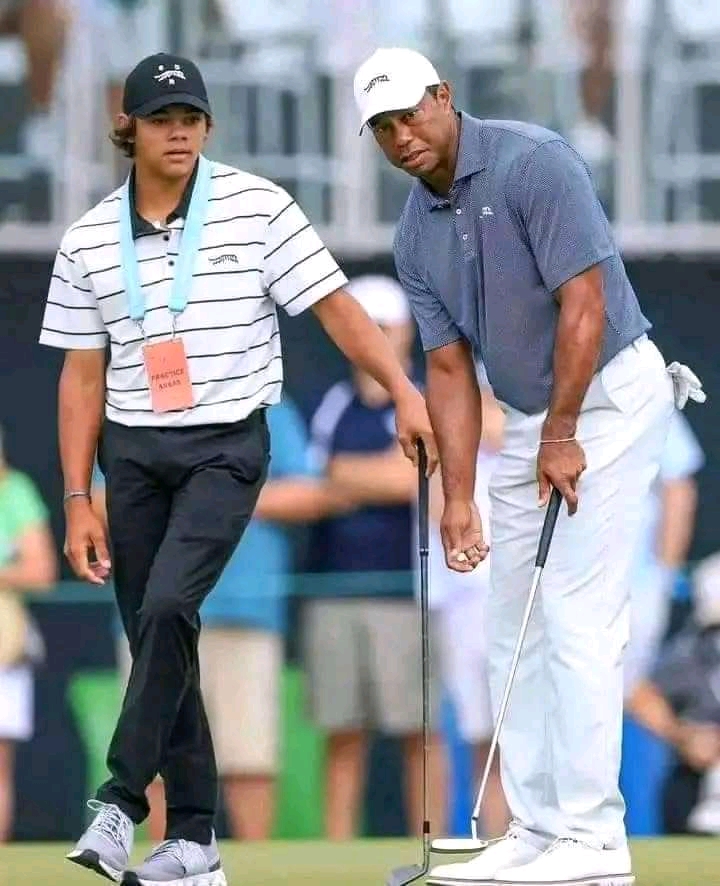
(106, 845)
(179, 863)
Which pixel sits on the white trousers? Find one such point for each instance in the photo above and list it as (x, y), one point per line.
(560, 744)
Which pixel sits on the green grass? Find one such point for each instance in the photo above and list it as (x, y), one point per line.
(668, 862)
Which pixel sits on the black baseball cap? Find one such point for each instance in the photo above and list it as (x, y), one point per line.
(161, 80)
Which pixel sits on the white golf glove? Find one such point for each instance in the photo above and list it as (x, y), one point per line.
(686, 385)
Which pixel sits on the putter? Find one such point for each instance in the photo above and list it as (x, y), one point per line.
(473, 843)
(410, 873)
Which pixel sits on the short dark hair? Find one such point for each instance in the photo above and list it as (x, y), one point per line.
(123, 137)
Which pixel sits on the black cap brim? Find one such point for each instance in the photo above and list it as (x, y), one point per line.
(165, 101)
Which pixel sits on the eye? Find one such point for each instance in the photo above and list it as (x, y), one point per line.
(410, 115)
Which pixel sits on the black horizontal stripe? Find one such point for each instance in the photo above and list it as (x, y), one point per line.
(59, 304)
(192, 357)
(220, 273)
(115, 267)
(287, 240)
(220, 221)
(68, 332)
(69, 283)
(267, 384)
(193, 301)
(297, 264)
(66, 256)
(112, 221)
(208, 381)
(276, 217)
(112, 199)
(308, 288)
(181, 332)
(237, 193)
(96, 246)
(231, 245)
(224, 174)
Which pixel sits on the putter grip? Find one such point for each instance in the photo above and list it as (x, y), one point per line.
(551, 515)
(423, 498)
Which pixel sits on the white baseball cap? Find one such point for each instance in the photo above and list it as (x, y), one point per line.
(390, 80)
(383, 298)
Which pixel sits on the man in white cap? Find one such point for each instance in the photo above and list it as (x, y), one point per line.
(507, 256)
(361, 637)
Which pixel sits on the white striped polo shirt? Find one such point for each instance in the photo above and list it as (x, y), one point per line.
(258, 250)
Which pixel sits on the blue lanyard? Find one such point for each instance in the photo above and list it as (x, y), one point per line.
(189, 245)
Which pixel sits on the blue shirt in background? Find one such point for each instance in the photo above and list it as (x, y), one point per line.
(681, 458)
(370, 539)
(256, 582)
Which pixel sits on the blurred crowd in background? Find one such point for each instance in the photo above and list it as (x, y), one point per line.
(627, 83)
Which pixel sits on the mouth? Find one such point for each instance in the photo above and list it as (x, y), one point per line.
(178, 154)
(413, 158)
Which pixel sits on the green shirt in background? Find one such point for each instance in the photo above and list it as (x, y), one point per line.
(21, 508)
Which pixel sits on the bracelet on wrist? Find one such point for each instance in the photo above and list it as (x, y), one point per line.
(76, 493)
(559, 440)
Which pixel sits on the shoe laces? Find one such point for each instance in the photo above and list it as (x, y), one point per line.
(186, 853)
(563, 842)
(111, 822)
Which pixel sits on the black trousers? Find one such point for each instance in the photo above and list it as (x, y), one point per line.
(178, 500)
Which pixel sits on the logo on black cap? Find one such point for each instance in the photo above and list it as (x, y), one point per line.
(169, 75)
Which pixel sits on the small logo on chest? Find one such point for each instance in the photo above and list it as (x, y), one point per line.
(227, 258)
(487, 210)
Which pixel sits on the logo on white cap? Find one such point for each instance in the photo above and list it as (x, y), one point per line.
(381, 78)
(392, 80)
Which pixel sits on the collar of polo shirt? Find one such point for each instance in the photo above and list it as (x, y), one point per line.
(471, 157)
(141, 226)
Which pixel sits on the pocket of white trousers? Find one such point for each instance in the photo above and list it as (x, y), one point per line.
(633, 376)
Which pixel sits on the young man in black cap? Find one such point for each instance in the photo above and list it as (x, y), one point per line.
(181, 270)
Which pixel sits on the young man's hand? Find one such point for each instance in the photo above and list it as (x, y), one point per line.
(85, 532)
(413, 423)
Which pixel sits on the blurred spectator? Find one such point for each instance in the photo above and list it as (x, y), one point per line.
(362, 643)
(242, 641)
(680, 703)
(459, 603)
(592, 21)
(669, 524)
(42, 25)
(28, 562)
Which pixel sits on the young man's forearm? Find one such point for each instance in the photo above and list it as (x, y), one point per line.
(362, 341)
(455, 407)
(578, 341)
(81, 401)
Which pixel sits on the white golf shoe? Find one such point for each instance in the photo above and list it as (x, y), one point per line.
(512, 850)
(569, 862)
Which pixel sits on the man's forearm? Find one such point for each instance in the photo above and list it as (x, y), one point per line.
(678, 521)
(578, 342)
(362, 341)
(80, 409)
(455, 408)
(380, 478)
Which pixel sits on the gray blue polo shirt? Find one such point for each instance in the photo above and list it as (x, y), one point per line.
(521, 219)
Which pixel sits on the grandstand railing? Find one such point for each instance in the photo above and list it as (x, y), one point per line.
(280, 80)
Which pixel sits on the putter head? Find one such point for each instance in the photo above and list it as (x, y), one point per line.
(458, 845)
(408, 874)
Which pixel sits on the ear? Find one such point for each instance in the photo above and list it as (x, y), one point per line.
(122, 120)
(445, 94)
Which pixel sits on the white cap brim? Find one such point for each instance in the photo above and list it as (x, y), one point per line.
(392, 97)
